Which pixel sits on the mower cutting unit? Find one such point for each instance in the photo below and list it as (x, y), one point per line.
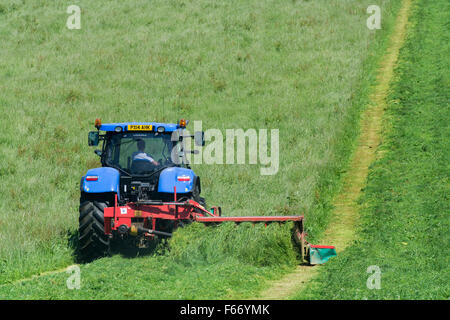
(134, 197)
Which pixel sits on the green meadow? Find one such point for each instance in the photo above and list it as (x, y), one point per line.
(302, 67)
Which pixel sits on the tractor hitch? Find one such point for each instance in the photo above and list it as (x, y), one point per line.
(145, 231)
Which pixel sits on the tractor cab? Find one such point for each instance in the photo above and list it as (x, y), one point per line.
(148, 160)
(141, 153)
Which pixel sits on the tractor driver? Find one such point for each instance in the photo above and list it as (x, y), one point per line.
(142, 155)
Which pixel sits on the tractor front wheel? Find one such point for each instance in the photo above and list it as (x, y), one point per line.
(93, 242)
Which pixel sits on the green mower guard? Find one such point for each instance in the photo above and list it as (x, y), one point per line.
(321, 254)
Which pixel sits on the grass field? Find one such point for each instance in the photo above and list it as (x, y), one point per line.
(405, 225)
(303, 67)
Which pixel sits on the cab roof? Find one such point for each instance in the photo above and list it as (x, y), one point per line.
(138, 126)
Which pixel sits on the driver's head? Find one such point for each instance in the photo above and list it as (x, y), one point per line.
(141, 145)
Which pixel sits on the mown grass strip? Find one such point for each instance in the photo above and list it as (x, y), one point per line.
(405, 226)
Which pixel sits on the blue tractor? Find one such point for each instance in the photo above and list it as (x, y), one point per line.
(142, 162)
(146, 188)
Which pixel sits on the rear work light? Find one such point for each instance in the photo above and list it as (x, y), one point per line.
(91, 178)
(183, 123)
(98, 123)
(184, 178)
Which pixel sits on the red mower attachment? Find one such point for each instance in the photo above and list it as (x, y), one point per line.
(152, 218)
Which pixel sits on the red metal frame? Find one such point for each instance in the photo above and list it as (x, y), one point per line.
(249, 219)
(175, 211)
(142, 216)
(321, 247)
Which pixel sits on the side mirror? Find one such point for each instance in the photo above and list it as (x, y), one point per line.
(199, 138)
(177, 136)
(93, 138)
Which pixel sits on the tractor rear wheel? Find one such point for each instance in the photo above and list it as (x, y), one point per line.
(201, 201)
(93, 241)
(196, 196)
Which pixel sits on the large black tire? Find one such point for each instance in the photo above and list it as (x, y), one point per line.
(202, 201)
(196, 196)
(93, 242)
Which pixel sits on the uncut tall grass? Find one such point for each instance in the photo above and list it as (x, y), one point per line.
(288, 65)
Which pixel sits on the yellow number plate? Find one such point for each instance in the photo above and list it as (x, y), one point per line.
(140, 127)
